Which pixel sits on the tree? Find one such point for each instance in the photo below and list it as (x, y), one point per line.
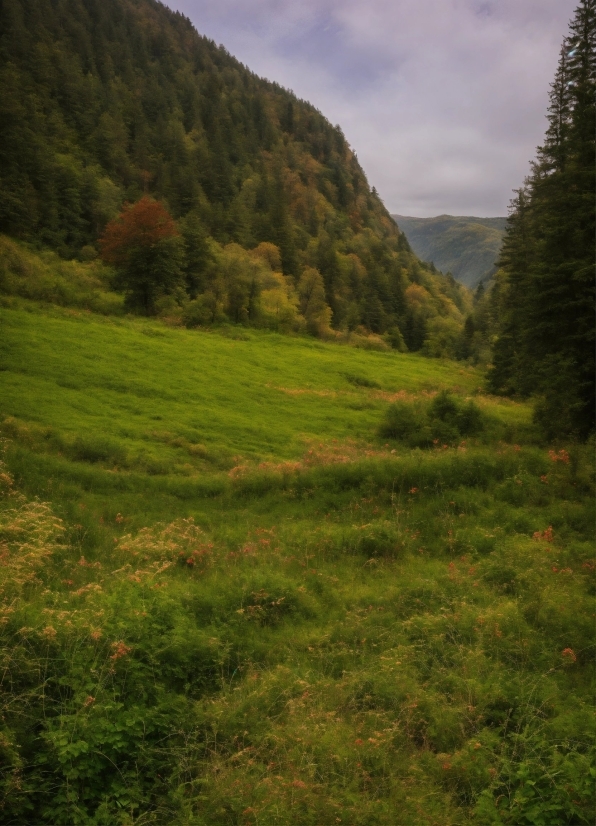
(144, 246)
(546, 316)
(314, 308)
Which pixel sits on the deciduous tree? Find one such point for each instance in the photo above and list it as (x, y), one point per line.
(144, 246)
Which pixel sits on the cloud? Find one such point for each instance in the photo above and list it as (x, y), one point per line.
(444, 101)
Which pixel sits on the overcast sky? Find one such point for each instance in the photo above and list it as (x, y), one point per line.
(443, 101)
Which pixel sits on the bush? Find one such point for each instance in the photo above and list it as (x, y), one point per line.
(445, 420)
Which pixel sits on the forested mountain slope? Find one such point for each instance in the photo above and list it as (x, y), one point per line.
(465, 246)
(105, 100)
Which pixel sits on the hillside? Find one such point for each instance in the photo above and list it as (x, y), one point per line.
(465, 246)
(263, 562)
(235, 588)
(104, 101)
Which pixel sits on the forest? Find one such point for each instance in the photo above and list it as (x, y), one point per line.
(294, 528)
(106, 102)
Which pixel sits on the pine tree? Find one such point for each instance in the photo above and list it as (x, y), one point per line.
(546, 335)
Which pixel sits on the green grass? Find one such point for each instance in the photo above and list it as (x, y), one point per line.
(241, 605)
(261, 396)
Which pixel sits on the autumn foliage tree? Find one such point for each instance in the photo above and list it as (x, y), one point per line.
(147, 251)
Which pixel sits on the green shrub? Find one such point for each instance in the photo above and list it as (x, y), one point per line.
(96, 449)
(445, 420)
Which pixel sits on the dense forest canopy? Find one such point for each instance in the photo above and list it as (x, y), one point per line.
(106, 100)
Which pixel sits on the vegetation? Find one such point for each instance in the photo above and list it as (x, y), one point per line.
(466, 247)
(145, 247)
(545, 342)
(226, 599)
(107, 101)
(443, 421)
(248, 576)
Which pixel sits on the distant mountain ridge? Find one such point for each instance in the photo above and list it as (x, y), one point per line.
(465, 246)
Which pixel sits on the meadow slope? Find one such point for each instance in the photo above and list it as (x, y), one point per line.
(226, 599)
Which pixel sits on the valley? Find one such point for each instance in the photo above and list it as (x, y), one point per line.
(228, 598)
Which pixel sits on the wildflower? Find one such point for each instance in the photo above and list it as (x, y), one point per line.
(119, 518)
(358, 741)
(49, 632)
(413, 490)
(88, 701)
(96, 634)
(120, 649)
(547, 534)
(561, 456)
(569, 655)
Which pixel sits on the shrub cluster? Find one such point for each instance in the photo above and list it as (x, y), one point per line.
(445, 420)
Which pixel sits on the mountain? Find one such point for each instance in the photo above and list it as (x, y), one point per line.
(465, 246)
(106, 100)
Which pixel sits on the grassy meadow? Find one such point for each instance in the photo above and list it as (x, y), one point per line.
(227, 598)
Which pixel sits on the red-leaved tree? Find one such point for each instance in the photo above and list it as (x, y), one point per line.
(145, 248)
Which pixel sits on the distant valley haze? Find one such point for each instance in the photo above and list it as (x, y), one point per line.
(465, 246)
(443, 101)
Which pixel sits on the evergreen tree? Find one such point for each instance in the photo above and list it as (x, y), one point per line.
(546, 330)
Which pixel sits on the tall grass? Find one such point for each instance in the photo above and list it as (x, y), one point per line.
(225, 599)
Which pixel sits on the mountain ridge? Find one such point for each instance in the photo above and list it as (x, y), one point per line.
(464, 245)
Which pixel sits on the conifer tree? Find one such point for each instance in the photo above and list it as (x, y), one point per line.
(546, 325)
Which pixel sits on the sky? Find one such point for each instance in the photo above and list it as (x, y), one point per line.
(443, 101)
